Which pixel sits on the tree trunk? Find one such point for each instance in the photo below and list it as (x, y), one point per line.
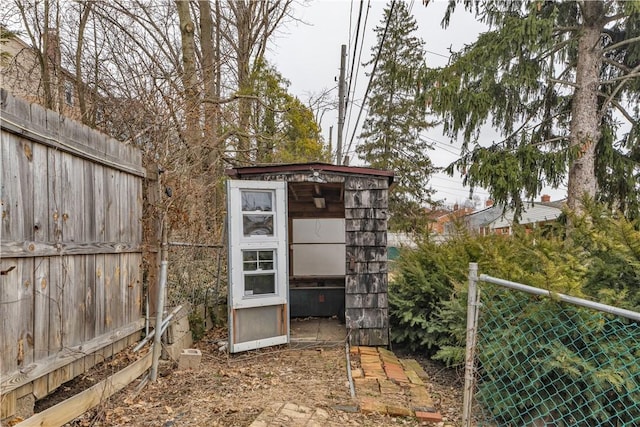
(585, 129)
(213, 149)
(243, 19)
(208, 72)
(189, 77)
(80, 88)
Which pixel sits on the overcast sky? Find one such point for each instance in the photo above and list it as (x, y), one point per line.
(307, 53)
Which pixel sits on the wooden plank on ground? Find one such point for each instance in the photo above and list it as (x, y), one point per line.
(75, 406)
(66, 356)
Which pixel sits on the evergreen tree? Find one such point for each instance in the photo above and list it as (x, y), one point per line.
(558, 79)
(391, 134)
(282, 127)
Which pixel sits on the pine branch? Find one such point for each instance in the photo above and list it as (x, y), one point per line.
(622, 43)
(622, 110)
(554, 49)
(615, 17)
(564, 82)
(631, 73)
(619, 87)
(617, 65)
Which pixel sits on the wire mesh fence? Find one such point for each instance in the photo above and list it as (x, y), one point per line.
(197, 275)
(549, 361)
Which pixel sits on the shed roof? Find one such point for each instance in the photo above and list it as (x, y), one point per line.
(309, 167)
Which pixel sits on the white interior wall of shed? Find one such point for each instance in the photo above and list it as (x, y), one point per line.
(318, 247)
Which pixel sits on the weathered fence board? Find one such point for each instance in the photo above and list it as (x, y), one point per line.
(70, 246)
(41, 326)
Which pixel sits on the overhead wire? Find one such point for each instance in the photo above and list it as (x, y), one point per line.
(355, 49)
(355, 74)
(373, 72)
(350, 21)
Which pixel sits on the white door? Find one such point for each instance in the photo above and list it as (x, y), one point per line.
(258, 269)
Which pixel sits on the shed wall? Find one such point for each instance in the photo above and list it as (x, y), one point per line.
(366, 283)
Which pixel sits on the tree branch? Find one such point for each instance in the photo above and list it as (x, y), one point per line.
(618, 88)
(622, 43)
(617, 64)
(623, 111)
(238, 96)
(630, 75)
(564, 82)
(614, 17)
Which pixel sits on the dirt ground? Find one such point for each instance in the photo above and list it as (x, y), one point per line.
(234, 390)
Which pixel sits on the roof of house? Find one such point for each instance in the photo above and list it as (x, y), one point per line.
(532, 214)
(308, 167)
(497, 216)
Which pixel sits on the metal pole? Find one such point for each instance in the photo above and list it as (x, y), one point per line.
(341, 104)
(157, 339)
(472, 318)
(165, 324)
(562, 297)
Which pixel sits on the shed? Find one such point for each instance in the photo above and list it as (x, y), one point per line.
(325, 227)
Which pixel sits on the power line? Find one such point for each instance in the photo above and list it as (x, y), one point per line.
(355, 50)
(373, 72)
(350, 20)
(438, 54)
(357, 70)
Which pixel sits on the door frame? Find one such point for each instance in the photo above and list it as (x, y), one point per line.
(239, 244)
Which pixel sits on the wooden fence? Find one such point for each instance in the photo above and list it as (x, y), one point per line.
(70, 249)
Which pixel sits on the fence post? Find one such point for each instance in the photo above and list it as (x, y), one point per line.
(472, 324)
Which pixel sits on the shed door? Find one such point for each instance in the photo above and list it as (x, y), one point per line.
(258, 269)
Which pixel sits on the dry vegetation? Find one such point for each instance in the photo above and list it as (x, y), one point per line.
(234, 390)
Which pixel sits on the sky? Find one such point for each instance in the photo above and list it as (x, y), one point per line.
(307, 53)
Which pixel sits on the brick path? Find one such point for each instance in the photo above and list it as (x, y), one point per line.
(383, 383)
(388, 385)
(292, 415)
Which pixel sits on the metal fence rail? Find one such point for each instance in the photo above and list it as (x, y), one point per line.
(537, 358)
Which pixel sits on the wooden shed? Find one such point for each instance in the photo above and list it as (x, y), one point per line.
(330, 222)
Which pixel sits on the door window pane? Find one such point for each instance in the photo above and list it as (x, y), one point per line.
(257, 260)
(257, 201)
(259, 284)
(257, 225)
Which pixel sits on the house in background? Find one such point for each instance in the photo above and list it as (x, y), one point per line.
(21, 74)
(442, 221)
(496, 220)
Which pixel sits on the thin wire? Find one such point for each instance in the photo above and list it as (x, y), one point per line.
(357, 72)
(350, 19)
(438, 54)
(373, 72)
(355, 51)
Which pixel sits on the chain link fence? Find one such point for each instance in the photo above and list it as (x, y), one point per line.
(535, 358)
(197, 274)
